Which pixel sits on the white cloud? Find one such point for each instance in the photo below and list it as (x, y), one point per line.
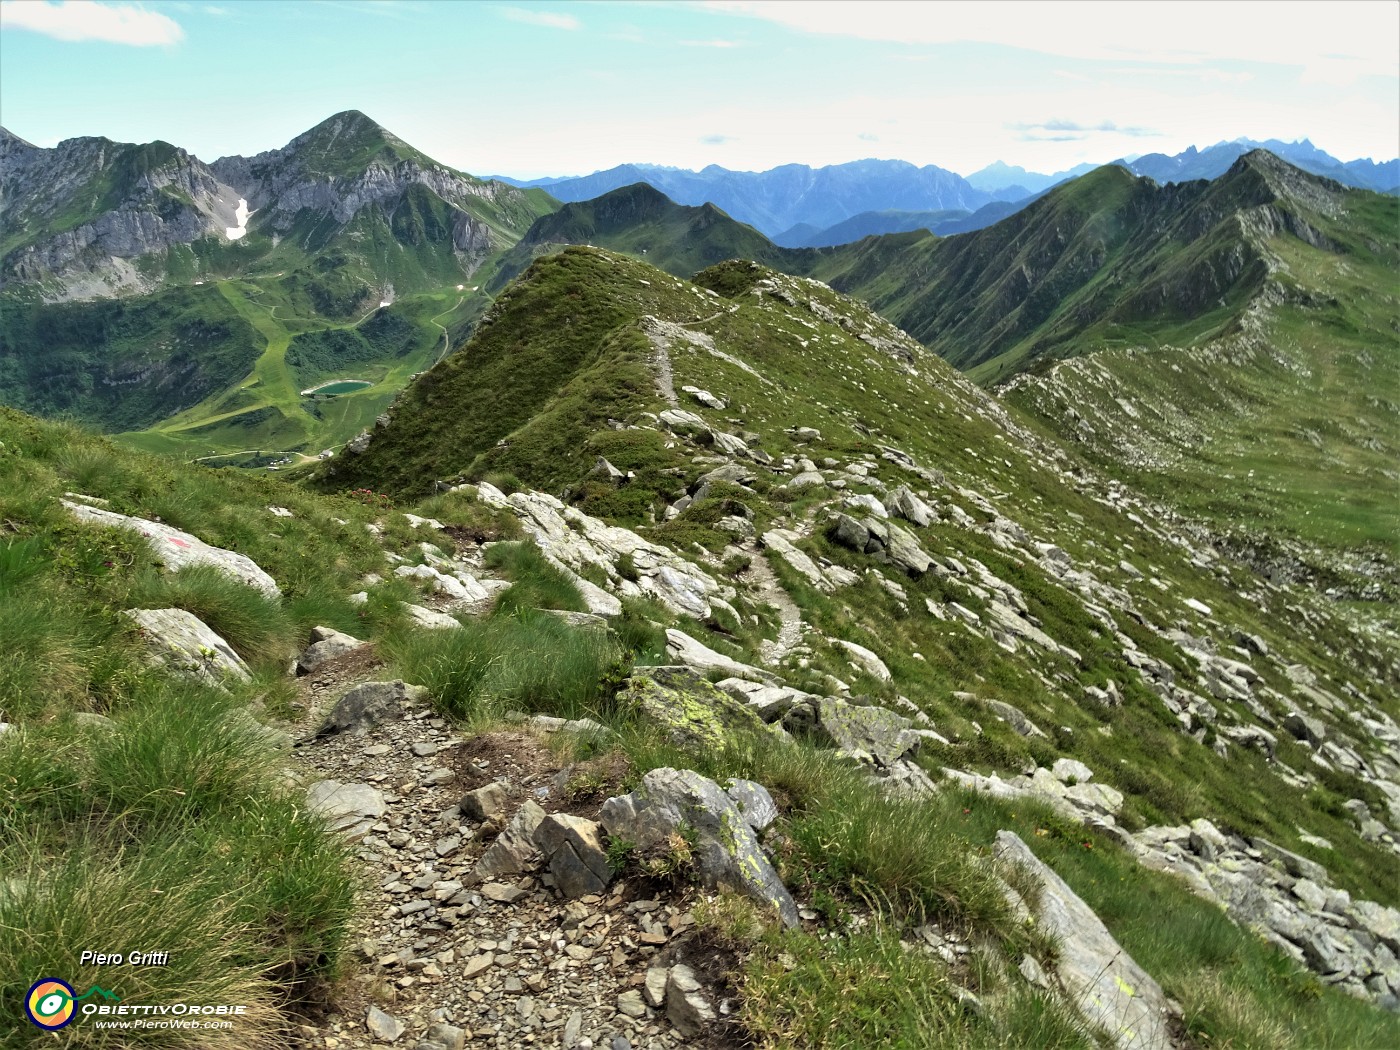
(549, 19)
(1329, 41)
(78, 20)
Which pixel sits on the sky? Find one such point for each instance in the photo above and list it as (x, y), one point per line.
(557, 88)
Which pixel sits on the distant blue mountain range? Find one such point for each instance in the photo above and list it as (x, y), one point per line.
(800, 206)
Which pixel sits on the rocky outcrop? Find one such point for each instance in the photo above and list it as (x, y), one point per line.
(574, 541)
(178, 549)
(184, 643)
(675, 802)
(692, 712)
(1287, 899)
(1093, 971)
(159, 197)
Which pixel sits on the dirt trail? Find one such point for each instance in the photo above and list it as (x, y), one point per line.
(761, 578)
(500, 957)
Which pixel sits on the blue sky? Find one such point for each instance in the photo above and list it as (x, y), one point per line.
(530, 89)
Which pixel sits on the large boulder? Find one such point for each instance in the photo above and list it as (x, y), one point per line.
(848, 532)
(177, 549)
(903, 550)
(725, 851)
(694, 714)
(1095, 973)
(883, 735)
(370, 703)
(326, 644)
(185, 644)
(903, 503)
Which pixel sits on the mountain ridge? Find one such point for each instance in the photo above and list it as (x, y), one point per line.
(97, 231)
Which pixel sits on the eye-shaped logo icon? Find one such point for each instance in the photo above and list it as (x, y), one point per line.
(49, 1003)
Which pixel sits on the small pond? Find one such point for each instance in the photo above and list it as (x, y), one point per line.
(340, 386)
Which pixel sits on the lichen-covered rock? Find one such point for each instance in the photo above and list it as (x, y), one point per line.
(725, 852)
(694, 714)
(1096, 974)
(883, 735)
(177, 549)
(184, 643)
(754, 802)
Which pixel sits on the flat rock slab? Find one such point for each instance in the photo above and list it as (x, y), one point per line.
(1097, 975)
(429, 618)
(178, 549)
(684, 649)
(183, 642)
(350, 809)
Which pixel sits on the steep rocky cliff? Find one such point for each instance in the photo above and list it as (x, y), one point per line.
(92, 218)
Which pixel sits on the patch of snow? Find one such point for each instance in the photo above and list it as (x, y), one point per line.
(241, 216)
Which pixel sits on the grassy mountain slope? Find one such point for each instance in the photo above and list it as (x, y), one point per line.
(1105, 260)
(584, 374)
(640, 221)
(571, 364)
(1105, 257)
(122, 364)
(588, 329)
(345, 217)
(1281, 432)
